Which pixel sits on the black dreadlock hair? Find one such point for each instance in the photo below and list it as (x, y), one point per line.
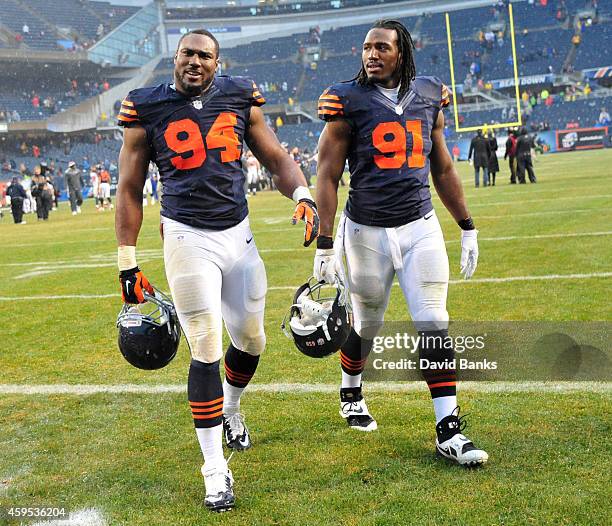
(406, 49)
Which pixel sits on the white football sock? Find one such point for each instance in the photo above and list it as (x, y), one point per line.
(211, 443)
(350, 381)
(231, 398)
(444, 406)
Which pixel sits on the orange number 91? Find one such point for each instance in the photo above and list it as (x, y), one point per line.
(390, 137)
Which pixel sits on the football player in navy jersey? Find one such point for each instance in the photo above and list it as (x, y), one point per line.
(193, 130)
(389, 124)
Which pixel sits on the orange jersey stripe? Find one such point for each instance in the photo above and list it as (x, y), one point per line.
(127, 119)
(205, 404)
(207, 417)
(261, 100)
(442, 384)
(331, 104)
(328, 96)
(330, 112)
(128, 112)
(127, 103)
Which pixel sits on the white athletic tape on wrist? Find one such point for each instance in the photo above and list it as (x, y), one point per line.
(301, 192)
(126, 257)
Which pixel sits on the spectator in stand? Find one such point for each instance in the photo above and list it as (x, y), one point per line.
(35, 151)
(18, 195)
(35, 101)
(480, 148)
(74, 184)
(604, 118)
(511, 155)
(493, 163)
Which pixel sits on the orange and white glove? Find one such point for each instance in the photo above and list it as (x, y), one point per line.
(306, 210)
(133, 282)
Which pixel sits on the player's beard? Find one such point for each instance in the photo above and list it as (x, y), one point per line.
(192, 90)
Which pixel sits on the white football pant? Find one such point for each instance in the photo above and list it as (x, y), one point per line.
(216, 276)
(415, 252)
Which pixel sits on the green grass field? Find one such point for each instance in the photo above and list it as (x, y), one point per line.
(545, 254)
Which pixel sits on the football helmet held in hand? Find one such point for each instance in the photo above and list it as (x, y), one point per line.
(149, 334)
(318, 325)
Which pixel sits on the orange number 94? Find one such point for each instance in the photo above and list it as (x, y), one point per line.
(185, 137)
(390, 137)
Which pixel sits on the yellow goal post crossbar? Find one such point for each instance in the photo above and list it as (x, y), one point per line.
(519, 122)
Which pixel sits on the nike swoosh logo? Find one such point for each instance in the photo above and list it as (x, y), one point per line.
(127, 288)
(353, 411)
(244, 442)
(427, 217)
(249, 240)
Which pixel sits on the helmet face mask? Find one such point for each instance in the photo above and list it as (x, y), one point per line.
(318, 325)
(149, 333)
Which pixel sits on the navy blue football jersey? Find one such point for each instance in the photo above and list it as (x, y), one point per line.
(196, 142)
(389, 151)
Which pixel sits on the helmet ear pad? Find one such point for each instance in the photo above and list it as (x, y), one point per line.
(149, 341)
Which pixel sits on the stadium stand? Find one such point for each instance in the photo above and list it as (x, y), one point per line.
(62, 25)
(545, 40)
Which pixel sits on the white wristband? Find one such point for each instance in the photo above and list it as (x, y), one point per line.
(301, 192)
(126, 257)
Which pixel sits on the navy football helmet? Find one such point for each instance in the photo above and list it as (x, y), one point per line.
(149, 333)
(318, 325)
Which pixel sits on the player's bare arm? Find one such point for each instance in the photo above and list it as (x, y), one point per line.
(444, 174)
(133, 165)
(333, 150)
(448, 185)
(287, 175)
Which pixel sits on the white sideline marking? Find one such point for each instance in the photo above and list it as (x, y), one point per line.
(477, 217)
(294, 287)
(86, 517)
(300, 388)
(110, 260)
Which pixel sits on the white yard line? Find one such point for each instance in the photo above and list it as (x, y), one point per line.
(109, 260)
(294, 287)
(304, 388)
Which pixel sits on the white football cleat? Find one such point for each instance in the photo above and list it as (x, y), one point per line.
(354, 410)
(452, 444)
(219, 485)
